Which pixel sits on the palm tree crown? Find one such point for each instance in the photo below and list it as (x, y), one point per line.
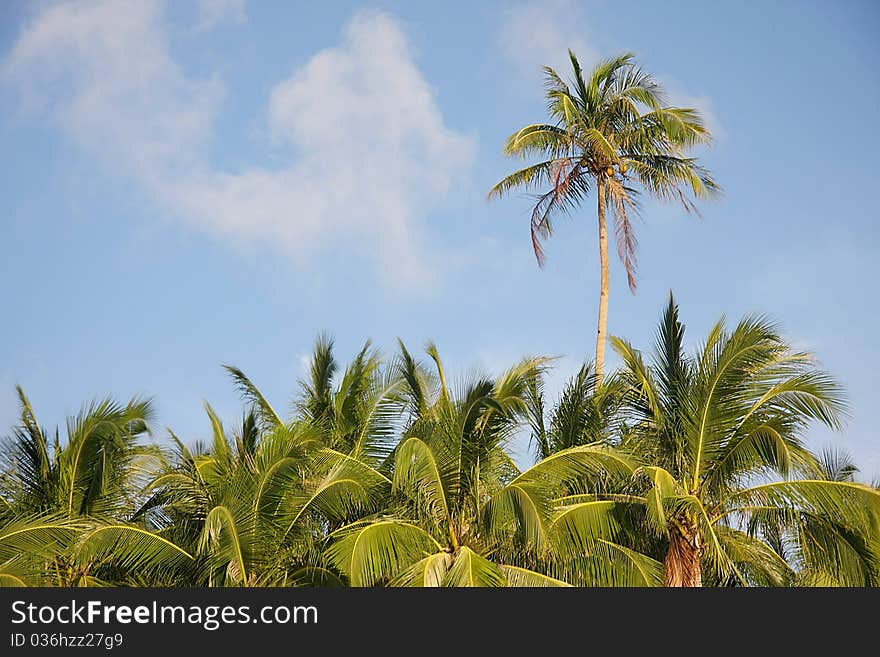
(723, 475)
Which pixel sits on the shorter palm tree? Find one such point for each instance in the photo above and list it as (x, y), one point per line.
(256, 505)
(585, 413)
(724, 482)
(464, 514)
(69, 507)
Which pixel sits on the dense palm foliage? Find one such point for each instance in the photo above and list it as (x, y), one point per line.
(724, 480)
(610, 134)
(68, 507)
(682, 469)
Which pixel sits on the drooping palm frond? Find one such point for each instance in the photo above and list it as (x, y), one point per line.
(523, 577)
(40, 535)
(223, 541)
(30, 545)
(370, 552)
(753, 562)
(128, 548)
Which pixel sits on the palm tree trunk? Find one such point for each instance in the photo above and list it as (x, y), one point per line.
(603, 294)
(682, 563)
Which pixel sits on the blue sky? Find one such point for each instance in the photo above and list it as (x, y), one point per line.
(194, 183)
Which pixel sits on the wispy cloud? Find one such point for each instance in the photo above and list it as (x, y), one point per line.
(358, 122)
(104, 73)
(539, 34)
(214, 12)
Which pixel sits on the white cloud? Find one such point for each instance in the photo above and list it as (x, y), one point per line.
(103, 71)
(541, 33)
(213, 12)
(367, 152)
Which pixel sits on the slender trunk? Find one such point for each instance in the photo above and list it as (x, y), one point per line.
(682, 563)
(603, 294)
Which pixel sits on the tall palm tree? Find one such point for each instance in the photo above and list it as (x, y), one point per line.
(724, 480)
(611, 133)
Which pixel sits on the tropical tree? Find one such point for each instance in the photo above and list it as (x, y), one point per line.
(725, 483)
(585, 413)
(464, 514)
(256, 505)
(69, 507)
(610, 133)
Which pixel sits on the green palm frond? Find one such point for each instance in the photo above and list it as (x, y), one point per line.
(129, 548)
(38, 535)
(269, 418)
(222, 541)
(575, 463)
(523, 577)
(417, 470)
(473, 570)
(427, 572)
(609, 564)
(341, 486)
(370, 552)
(754, 562)
(850, 504)
(316, 403)
(538, 138)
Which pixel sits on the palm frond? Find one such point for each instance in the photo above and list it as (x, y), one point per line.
(370, 552)
(269, 418)
(473, 570)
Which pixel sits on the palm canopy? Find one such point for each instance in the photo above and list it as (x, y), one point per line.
(68, 514)
(256, 504)
(584, 413)
(683, 467)
(97, 470)
(725, 480)
(609, 129)
(464, 514)
(449, 460)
